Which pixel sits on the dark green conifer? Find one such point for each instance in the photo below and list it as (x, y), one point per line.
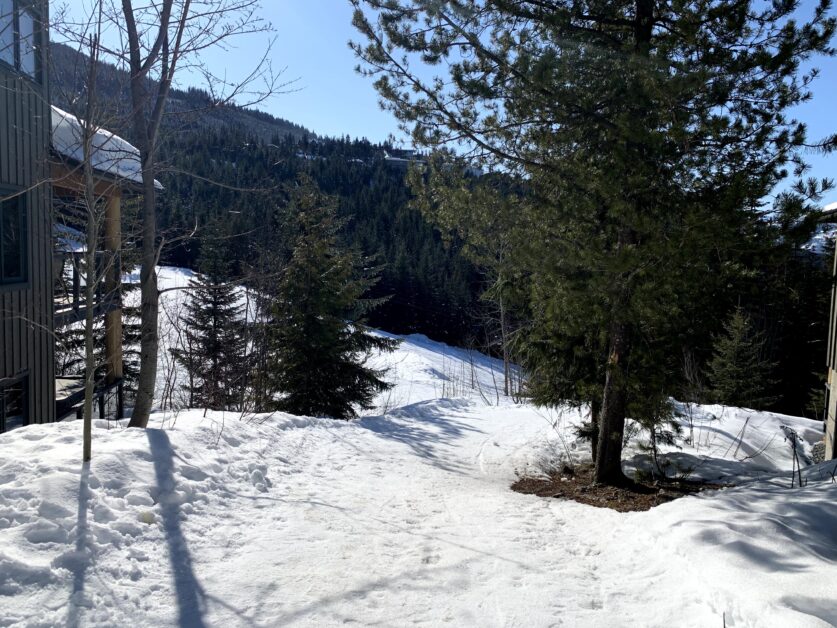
(212, 351)
(319, 343)
(740, 373)
(647, 133)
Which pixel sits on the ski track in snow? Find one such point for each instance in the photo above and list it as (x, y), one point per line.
(401, 518)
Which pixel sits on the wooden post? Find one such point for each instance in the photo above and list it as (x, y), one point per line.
(113, 287)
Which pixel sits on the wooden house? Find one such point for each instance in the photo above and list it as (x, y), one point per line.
(27, 385)
(41, 279)
(116, 168)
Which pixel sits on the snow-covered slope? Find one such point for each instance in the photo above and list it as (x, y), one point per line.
(824, 234)
(404, 517)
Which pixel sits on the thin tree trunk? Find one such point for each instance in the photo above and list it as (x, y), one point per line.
(595, 419)
(149, 301)
(91, 275)
(89, 356)
(504, 338)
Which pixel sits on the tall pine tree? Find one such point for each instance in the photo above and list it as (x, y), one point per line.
(213, 347)
(647, 131)
(319, 344)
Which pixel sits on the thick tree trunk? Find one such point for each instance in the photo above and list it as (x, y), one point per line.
(149, 301)
(614, 404)
(146, 116)
(615, 395)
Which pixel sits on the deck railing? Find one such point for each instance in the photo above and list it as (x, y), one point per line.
(70, 280)
(69, 397)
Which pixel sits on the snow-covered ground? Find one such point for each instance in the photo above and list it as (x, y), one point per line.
(824, 234)
(405, 517)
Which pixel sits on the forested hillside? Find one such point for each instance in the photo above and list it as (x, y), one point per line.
(225, 173)
(432, 289)
(192, 106)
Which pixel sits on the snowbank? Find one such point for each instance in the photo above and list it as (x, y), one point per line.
(398, 519)
(719, 443)
(403, 517)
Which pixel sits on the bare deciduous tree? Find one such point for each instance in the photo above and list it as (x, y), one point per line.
(85, 151)
(155, 41)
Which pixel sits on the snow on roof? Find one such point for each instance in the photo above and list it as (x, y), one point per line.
(67, 239)
(112, 155)
(823, 235)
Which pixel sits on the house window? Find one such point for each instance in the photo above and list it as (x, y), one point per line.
(27, 45)
(12, 240)
(19, 38)
(7, 31)
(13, 405)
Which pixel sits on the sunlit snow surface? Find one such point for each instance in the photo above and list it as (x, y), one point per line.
(404, 517)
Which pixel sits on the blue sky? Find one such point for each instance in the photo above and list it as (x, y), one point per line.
(312, 42)
(332, 99)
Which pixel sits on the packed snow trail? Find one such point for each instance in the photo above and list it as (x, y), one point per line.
(405, 518)
(389, 521)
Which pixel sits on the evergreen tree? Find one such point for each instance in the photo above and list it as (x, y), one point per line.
(130, 339)
(647, 132)
(212, 352)
(319, 342)
(739, 372)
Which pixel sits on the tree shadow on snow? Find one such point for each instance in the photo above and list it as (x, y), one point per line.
(191, 602)
(697, 467)
(425, 427)
(824, 610)
(80, 559)
(803, 517)
(756, 519)
(335, 608)
(744, 451)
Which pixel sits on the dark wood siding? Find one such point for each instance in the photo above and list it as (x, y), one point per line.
(26, 338)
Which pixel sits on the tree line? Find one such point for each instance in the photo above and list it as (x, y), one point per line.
(632, 233)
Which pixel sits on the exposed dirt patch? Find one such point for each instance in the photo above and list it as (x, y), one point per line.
(577, 484)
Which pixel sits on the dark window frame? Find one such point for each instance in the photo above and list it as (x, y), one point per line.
(23, 212)
(21, 380)
(17, 7)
